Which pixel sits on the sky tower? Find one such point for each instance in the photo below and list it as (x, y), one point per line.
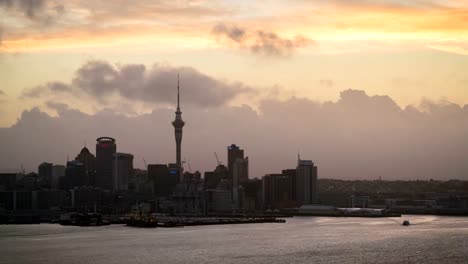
(178, 125)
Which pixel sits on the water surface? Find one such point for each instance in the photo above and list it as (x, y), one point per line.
(430, 239)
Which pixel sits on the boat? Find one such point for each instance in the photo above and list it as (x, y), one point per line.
(82, 219)
(406, 223)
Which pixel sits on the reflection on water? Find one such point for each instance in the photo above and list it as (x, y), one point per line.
(429, 239)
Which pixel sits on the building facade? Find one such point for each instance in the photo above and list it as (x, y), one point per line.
(122, 172)
(105, 150)
(306, 182)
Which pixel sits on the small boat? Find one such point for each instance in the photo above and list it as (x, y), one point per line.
(406, 223)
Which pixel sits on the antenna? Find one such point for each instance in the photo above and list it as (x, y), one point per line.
(178, 96)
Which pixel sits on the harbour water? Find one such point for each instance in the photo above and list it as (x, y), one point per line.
(429, 239)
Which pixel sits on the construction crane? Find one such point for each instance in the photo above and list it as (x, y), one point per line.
(217, 160)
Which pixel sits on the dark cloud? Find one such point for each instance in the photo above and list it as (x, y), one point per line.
(359, 136)
(45, 90)
(157, 84)
(30, 8)
(235, 33)
(259, 41)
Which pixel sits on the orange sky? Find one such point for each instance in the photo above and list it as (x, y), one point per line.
(406, 49)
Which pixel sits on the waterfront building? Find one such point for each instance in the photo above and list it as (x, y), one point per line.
(277, 191)
(89, 162)
(306, 182)
(164, 179)
(291, 173)
(75, 175)
(7, 181)
(45, 172)
(123, 170)
(105, 150)
(233, 153)
(240, 169)
(58, 171)
(86, 198)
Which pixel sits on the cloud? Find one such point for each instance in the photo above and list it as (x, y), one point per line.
(30, 8)
(43, 90)
(260, 42)
(59, 107)
(2, 93)
(157, 84)
(359, 136)
(328, 83)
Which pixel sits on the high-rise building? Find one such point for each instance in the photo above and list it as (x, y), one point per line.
(89, 162)
(178, 124)
(123, 170)
(234, 153)
(105, 150)
(306, 182)
(75, 175)
(276, 191)
(291, 173)
(58, 171)
(45, 172)
(164, 179)
(240, 169)
(87, 158)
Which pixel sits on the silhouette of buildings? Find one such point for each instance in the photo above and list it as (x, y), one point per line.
(306, 182)
(45, 172)
(277, 191)
(233, 153)
(240, 168)
(7, 181)
(75, 175)
(89, 162)
(164, 179)
(178, 124)
(58, 172)
(123, 170)
(105, 150)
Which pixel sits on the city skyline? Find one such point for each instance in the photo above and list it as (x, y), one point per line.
(403, 126)
(363, 98)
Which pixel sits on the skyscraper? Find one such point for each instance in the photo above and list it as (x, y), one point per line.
(306, 182)
(89, 162)
(123, 170)
(240, 169)
(234, 153)
(105, 149)
(45, 172)
(178, 124)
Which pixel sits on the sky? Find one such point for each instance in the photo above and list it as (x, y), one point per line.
(366, 89)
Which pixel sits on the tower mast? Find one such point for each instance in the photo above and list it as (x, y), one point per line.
(178, 124)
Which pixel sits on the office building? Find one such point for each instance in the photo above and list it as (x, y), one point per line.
(105, 150)
(164, 179)
(240, 168)
(277, 191)
(75, 175)
(306, 182)
(123, 170)
(58, 171)
(234, 153)
(89, 162)
(45, 172)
